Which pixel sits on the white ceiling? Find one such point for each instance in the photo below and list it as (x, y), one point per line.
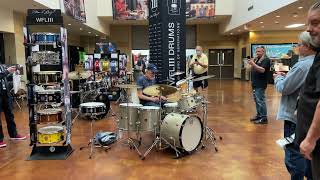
(290, 14)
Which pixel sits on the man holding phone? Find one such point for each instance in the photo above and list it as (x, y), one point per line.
(199, 66)
(6, 106)
(260, 67)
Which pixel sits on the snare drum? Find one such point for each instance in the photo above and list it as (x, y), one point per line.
(148, 118)
(50, 134)
(182, 130)
(171, 108)
(128, 114)
(47, 77)
(187, 102)
(42, 38)
(46, 57)
(92, 108)
(49, 116)
(48, 96)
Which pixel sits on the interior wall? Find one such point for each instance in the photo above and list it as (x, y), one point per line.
(88, 43)
(6, 20)
(209, 38)
(274, 37)
(9, 47)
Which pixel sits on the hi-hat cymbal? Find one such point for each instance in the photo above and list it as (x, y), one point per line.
(178, 73)
(74, 75)
(159, 89)
(128, 86)
(203, 78)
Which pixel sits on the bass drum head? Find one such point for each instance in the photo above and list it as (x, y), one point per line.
(104, 99)
(191, 133)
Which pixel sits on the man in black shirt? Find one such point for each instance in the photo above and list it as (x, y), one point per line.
(260, 67)
(308, 112)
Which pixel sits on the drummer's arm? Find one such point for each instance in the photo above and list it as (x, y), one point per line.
(146, 98)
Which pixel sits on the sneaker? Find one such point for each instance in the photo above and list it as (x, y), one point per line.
(261, 121)
(255, 118)
(2, 144)
(19, 137)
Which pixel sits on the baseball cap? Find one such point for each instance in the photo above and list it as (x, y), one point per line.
(152, 68)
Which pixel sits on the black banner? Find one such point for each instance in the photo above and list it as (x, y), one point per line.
(167, 39)
(44, 17)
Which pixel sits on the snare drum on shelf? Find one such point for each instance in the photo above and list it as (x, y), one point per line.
(50, 134)
(93, 108)
(50, 115)
(43, 38)
(46, 57)
(48, 96)
(47, 77)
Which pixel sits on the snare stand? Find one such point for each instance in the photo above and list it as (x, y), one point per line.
(158, 138)
(207, 131)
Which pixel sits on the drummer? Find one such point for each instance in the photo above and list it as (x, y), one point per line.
(199, 66)
(148, 79)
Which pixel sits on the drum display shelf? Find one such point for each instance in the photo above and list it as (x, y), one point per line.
(57, 42)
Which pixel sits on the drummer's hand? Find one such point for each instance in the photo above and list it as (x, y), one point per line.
(163, 98)
(11, 69)
(155, 99)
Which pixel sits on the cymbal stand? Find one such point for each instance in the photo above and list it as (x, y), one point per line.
(159, 138)
(208, 133)
(130, 141)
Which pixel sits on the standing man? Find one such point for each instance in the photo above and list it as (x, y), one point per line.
(6, 106)
(199, 66)
(308, 113)
(260, 67)
(289, 86)
(139, 68)
(146, 80)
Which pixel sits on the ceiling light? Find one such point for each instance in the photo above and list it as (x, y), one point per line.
(277, 22)
(80, 29)
(97, 35)
(277, 16)
(89, 32)
(295, 25)
(261, 22)
(69, 24)
(231, 33)
(262, 26)
(300, 7)
(296, 15)
(239, 30)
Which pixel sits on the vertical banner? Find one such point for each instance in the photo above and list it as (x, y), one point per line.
(167, 39)
(75, 9)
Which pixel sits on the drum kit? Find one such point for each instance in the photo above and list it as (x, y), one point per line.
(171, 123)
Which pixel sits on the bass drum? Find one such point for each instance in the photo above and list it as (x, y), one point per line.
(185, 130)
(104, 99)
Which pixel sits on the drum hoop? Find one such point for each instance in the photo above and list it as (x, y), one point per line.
(182, 125)
(50, 112)
(125, 105)
(48, 72)
(57, 130)
(49, 92)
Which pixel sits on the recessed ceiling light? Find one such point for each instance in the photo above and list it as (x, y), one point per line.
(261, 22)
(69, 24)
(300, 7)
(296, 15)
(277, 22)
(89, 32)
(278, 16)
(262, 26)
(80, 29)
(295, 25)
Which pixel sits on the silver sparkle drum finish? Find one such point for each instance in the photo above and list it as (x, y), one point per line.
(128, 116)
(148, 118)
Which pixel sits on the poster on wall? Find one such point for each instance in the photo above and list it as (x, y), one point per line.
(75, 9)
(105, 47)
(140, 55)
(274, 50)
(130, 9)
(200, 8)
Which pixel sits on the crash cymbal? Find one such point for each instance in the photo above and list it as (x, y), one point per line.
(203, 78)
(159, 89)
(128, 86)
(178, 73)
